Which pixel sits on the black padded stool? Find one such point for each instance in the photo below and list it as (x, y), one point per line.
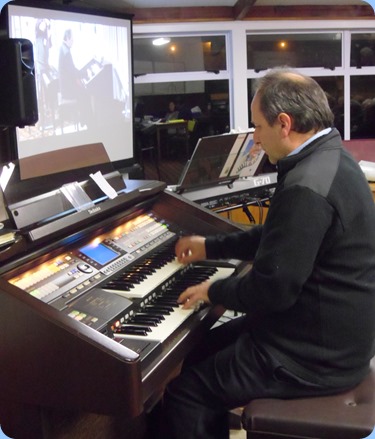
(349, 415)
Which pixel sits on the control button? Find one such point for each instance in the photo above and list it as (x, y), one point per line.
(85, 268)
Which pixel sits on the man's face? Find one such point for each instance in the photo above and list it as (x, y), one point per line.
(269, 137)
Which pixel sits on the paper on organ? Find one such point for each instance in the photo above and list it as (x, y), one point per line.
(368, 169)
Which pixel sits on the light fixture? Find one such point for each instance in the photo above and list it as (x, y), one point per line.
(161, 41)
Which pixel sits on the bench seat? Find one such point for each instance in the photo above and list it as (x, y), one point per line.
(349, 415)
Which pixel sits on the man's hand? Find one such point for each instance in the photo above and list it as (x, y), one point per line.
(190, 249)
(195, 297)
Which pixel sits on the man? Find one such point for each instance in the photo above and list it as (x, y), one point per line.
(73, 93)
(70, 81)
(309, 297)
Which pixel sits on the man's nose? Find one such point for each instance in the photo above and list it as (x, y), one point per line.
(256, 138)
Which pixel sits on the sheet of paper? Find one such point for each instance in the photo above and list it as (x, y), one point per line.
(104, 185)
(6, 174)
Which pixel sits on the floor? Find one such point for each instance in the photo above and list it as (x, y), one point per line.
(168, 169)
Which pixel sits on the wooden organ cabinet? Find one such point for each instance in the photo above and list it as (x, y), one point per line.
(74, 291)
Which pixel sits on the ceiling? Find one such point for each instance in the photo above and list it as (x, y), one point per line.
(216, 3)
(206, 10)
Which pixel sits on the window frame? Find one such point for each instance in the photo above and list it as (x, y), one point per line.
(237, 73)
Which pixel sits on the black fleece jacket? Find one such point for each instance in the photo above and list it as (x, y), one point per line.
(311, 289)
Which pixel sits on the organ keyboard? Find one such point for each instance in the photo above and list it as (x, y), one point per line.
(160, 316)
(92, 314)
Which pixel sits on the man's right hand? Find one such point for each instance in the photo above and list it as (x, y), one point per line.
(190, 249)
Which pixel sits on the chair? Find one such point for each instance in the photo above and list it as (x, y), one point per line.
(349, 415)
(183, 136)
(145, 144)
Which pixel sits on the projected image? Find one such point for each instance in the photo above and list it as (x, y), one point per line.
(83, 76)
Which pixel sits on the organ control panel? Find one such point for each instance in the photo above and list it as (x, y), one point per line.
(123, 283)
(70, 274)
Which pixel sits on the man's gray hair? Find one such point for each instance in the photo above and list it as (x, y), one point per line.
(283, 90)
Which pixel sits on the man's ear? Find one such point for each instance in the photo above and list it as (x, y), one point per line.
(285, 122)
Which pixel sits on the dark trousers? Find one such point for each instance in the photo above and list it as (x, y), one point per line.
(226, 371)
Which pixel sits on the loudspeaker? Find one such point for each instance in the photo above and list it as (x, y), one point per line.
(18, 98)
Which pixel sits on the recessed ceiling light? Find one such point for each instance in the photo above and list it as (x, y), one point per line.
(161, 41)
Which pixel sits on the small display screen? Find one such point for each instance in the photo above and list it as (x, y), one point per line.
(99, 253)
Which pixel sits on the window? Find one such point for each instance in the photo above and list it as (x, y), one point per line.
(207, 102)
(294, 50)
(190, 71)
(179, 54)
(334, 88)
(213, 69)
(362, 50)
(362, 107)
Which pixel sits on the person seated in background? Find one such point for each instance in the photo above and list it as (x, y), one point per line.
(145, 129)
(177, 109)
(172, 112)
